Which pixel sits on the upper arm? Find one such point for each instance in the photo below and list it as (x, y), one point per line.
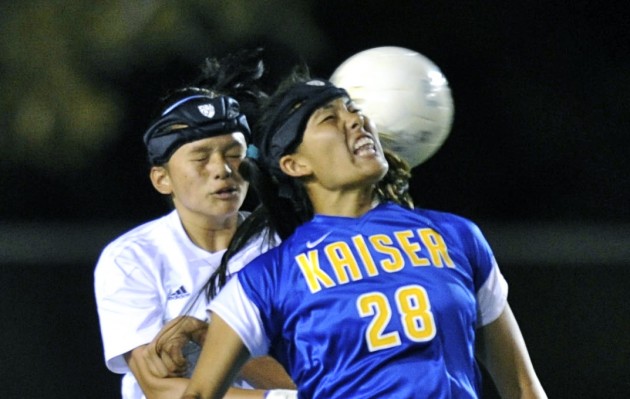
(502, 350)
(129, 309)
(221, 358)
(242, 315)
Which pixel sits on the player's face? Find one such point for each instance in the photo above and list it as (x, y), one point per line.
(204, 178)
(342, 147)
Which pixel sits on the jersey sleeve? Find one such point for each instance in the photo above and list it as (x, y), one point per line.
(242, 315)
(491, 297)
(491, 287)
(128, 306)
(251, 251)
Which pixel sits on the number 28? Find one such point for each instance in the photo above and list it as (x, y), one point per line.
(414, 309)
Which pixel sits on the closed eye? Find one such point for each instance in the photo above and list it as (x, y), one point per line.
(352, 107)
(234, 156)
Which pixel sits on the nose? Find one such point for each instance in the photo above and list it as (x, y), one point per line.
(219, 167)
(354, 120)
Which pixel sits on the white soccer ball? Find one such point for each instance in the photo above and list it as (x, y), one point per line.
(405, 94)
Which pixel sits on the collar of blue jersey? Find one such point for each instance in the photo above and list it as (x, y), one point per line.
(202, 115)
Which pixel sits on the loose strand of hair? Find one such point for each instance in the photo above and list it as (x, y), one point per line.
(395, 185)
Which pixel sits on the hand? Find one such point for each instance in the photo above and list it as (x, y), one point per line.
(164, 354)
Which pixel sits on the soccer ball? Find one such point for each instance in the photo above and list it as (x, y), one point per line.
(406, 96)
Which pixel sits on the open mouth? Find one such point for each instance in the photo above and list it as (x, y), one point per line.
(364, 146)
(226, 191)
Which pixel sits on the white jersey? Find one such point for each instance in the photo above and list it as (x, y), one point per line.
(147, 277)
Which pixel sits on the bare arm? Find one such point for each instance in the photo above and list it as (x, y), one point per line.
(160, 377)
(502, 350)
(165, 358)
(221, 358)
(155, 387)
(266, 373)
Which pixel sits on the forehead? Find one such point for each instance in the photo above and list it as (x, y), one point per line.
(227, 140)
(337, 103)
(332, 105)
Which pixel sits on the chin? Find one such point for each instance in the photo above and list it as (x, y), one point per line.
(382, 167)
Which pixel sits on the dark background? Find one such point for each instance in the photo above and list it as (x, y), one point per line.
(538, 156)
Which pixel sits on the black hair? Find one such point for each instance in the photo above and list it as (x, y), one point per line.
(279, 215)
(236, 75)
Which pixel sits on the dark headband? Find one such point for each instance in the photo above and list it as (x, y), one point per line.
(289, 118)
(203, 116)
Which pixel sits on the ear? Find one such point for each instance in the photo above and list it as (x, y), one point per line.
(161, 180)
(294, 166)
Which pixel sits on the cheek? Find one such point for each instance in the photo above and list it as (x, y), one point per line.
(187, 178)
(330, 145)
(245, 187)
(234, 165)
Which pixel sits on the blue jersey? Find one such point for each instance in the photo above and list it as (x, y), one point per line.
(384, 305)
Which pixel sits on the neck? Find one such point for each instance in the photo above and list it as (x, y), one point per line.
(353, 203)
(210, 233)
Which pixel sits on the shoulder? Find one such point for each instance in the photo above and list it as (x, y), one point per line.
(257, 246)
(439, 220)
(449, 222)
(455, 229)
(263, 276)
(462, 232)
(262, 262)
(147, 234)
(145, 240)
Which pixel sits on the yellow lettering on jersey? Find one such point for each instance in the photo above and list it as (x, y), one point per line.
(437, 248)
(415, 310)
(366, 257)
(376, 304)
(342, 261)
(382, 243)
(312, 272)
(411, 249)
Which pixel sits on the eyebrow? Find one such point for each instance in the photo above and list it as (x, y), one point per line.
(330, 105)
(207, 147)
